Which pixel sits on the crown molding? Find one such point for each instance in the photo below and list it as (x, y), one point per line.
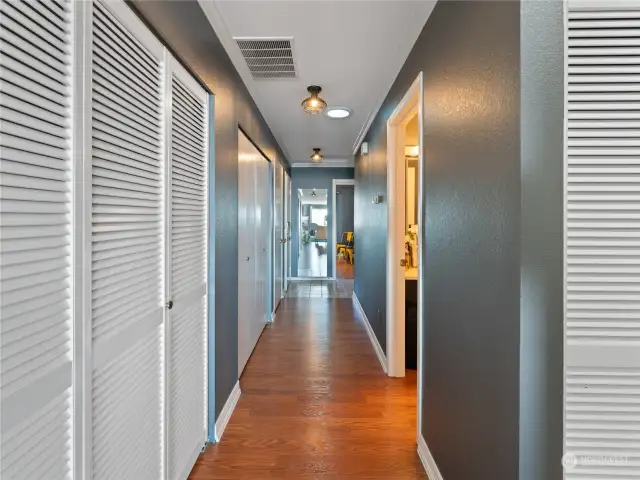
(345, 164)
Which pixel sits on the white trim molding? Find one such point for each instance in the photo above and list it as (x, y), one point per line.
(346, 163)
(372, 336)
(412, 104)
(429, 464)
(334, 214)
(227, 411)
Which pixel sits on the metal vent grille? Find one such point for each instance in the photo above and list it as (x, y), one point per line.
(268, 57)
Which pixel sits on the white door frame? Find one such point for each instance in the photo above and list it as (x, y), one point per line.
(334, 233)
(287, 232)
(410, 105)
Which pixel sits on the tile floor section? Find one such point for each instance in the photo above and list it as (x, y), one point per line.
(320, 288)
(312, 261)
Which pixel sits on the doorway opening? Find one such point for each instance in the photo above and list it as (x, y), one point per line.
(405, 271)
(312, 232)
(343, 238)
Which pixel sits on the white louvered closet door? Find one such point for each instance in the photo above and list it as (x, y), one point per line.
(187, 270)
(126, 247)
(602, 324)
(35, 240)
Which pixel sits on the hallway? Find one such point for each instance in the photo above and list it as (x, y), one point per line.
(315, 402)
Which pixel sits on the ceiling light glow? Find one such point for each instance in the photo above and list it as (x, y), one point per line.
(338, 112)
(317, 156)
(411, 151)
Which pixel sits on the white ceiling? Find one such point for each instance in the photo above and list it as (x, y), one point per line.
(352, 49)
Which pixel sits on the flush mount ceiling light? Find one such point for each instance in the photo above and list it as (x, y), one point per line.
(338, 112)
(314, 104)
(317, 156)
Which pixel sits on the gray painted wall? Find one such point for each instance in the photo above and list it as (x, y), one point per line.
(319, 178)
(344, 209)
(182, 25)
(469, 52)
(541, 284)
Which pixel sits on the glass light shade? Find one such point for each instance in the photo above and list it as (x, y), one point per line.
(411, 151)
(317, 156)
(314, 104)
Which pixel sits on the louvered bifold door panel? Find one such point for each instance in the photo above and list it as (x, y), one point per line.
(35, 240)
(188, 269)
(126, 246)
(602, 324)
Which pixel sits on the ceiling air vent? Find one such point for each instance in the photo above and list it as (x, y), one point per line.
(268, 57)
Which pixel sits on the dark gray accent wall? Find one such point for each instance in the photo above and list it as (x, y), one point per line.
(319, 178)
(541, 284)
(183, 26)
(469, 52)
(344, 209)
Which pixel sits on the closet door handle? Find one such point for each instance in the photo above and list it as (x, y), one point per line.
(169, 304)
(247, 259)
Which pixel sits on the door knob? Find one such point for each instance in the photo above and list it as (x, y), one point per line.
(247, 259)
(169, 304)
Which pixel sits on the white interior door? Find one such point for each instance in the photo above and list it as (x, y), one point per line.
(602, 266)
(287, 227)
(246, 248)
(84, 244)
(262, 237)
(36, 225)
(278, 236)
(126, 247)
(186, 278)
(254, 236)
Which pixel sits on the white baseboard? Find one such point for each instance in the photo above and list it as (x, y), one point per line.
(273, 317)
(227, 411)
(427, 460)
(190, 463)
(372, 336)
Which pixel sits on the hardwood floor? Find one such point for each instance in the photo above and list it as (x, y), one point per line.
(344, 269)
(316, 404)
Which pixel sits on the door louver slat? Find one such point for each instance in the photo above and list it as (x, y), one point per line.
(188, 239)
(126, 252)
(602, 322)
(35, 242)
